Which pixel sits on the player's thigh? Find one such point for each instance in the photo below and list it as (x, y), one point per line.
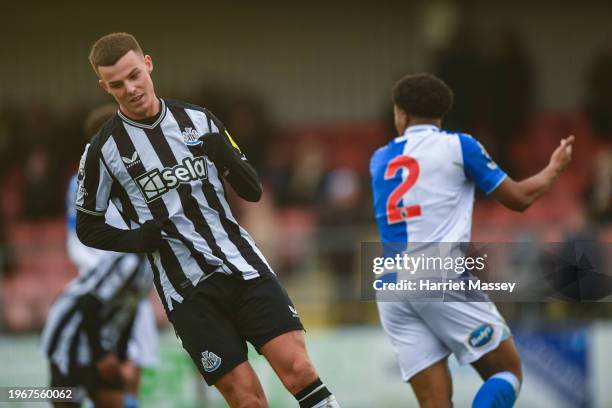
(265, 311)
(415, 346)
(208, 334)
(241, 387)
(433, 386)
(504, 358)
(469, 329)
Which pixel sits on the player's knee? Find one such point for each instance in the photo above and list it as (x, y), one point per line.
(252, 401)
(517, 371)
(434, 398)
(300, 373)
(439, 401)
(513, 365)
(240, 397)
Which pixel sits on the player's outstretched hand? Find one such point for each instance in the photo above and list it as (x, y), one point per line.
(109, 367)
(151, 235)
(562, 156)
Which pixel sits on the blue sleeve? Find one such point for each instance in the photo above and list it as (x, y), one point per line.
(479, 166)
(71, 204)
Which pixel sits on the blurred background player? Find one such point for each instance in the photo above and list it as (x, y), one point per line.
(107, 302)
(423, 185)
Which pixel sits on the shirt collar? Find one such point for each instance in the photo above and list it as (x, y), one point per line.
(420, 128)
(147, 123)
(416, 130)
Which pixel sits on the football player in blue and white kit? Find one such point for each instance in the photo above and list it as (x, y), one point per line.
(423, 186)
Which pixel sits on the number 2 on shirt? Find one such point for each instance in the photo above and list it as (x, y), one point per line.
(395, 213)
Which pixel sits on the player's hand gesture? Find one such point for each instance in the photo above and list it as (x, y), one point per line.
(562, 156)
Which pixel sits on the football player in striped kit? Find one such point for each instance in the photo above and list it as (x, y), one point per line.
(164, 165)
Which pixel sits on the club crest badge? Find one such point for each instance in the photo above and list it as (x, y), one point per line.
(210, 361)
(191, 137)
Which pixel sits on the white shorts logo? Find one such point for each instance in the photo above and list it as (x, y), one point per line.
(294, 312)
(210, 361)
(481, 336)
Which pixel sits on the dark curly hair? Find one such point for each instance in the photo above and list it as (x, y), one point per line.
(423, 95)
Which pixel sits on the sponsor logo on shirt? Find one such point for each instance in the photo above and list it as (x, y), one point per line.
(131, 161)
(157, 182)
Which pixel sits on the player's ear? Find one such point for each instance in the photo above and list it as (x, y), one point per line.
(103, 85)
(148, 63)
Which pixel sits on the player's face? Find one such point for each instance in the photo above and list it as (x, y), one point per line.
(129, 82)
(401, 120)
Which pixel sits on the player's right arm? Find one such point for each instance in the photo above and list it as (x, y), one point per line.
(520, 195)
(93, 193)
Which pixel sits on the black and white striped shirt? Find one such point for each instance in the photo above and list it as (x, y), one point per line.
(157, 169)
(118, 283)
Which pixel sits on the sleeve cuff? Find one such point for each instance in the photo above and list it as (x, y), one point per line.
(501, 180)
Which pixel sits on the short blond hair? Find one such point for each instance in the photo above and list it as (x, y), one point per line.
(109, 49)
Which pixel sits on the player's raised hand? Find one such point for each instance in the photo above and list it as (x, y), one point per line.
(562, 156)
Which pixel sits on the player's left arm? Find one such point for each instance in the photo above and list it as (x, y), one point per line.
(520, 195)
(233, 164)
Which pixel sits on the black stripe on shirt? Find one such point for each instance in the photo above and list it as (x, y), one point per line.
(157, 282)
(60, 327)
(231, 228)
(169, 261)
(198, 219)
(191, 208)
(65, 319)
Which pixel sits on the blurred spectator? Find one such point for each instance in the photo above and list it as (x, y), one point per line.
(39, 185)
(304, 174)
(599, 196)
(460, 65)
(245, 116)
(341, 215)
(599, 88)
(508, 93)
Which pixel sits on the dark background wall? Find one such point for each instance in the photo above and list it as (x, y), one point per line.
(308, 60)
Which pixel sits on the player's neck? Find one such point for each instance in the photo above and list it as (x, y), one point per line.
(422, 121)
(151, 111)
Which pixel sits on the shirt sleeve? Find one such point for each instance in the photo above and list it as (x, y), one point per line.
(233, 164)
(123, 268)
(479, 166)
(94, 183)
(71, 195)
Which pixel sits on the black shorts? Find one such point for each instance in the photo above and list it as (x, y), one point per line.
(84, 378)
(224, 312)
